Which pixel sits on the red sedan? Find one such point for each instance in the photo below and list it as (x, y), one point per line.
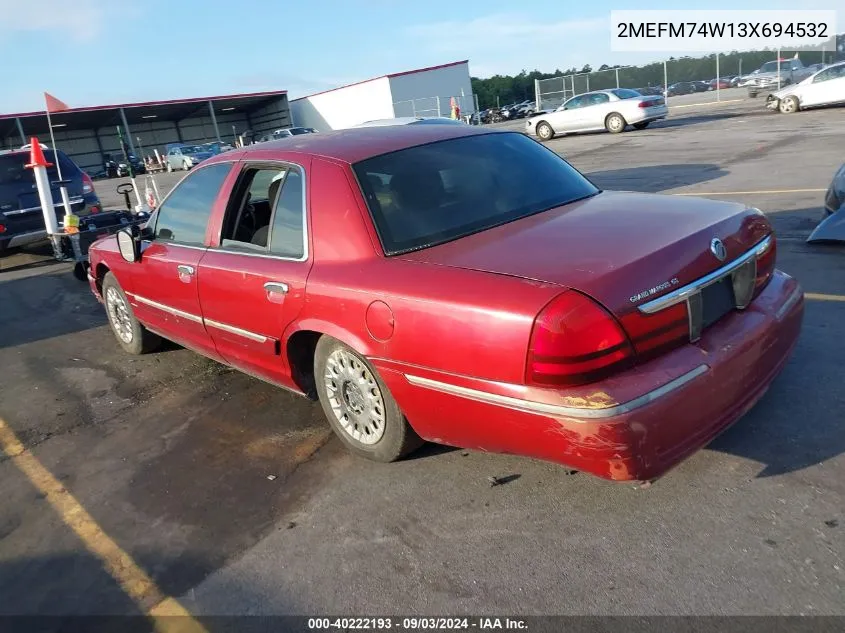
(466, 287)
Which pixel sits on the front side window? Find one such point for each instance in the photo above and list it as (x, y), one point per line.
(573, 103)
(834, 72)
(429, 194)
(183, 216)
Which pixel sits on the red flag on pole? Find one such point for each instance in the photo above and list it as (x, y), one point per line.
(53, 104)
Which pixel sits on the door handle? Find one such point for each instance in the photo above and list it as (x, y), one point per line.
(276, 286)
(185, 270)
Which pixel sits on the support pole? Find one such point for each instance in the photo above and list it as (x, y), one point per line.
(718, 79)
(778, 68)
(62, 185)
(537, 95)
(20, 130)
(617, 77)
(128, 132)
(38, 164)
(665, 80)
(214, 122)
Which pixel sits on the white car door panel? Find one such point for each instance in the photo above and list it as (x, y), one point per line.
(826, 87)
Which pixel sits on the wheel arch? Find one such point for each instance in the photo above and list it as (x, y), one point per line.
(99, 275)
(301, 343)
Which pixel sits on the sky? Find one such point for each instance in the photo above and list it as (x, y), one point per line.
(95, 52)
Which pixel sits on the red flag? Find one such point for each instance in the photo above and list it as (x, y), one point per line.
(53, 104)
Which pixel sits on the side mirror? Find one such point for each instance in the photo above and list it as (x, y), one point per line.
(129, 244)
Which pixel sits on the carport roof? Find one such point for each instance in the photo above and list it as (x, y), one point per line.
(101, 116)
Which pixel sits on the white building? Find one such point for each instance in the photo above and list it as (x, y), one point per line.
(424, 92)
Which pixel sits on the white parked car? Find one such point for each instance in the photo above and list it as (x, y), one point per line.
(612, 110)
(825, 87)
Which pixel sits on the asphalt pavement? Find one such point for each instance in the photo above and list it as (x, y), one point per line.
(235, 499)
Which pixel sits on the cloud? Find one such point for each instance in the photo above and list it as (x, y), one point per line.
(81, 20)
(508, 42)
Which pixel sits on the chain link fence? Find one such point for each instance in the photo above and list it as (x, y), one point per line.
(684, 75)
(436, 106)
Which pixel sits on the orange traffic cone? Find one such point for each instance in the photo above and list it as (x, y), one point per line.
(36, 155)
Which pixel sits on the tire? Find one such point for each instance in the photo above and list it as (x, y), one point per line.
(615, 123)
(753, 95)
(133, 337)
(788, 105)
(169, 168)
(346, 382)
(186, 166)
(545, 131)
(641, 126)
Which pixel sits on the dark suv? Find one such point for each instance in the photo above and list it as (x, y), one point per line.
(21, 220)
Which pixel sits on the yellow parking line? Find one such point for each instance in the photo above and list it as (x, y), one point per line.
(134, 582)
(703, 103)
(748, 193)
(823, 297)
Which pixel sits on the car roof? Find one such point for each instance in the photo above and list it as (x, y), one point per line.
(356, 144)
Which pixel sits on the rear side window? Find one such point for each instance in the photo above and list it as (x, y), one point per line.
(625, 93)
(183, 216)
(434, 193)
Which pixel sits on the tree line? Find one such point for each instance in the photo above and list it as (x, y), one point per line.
(500, 90)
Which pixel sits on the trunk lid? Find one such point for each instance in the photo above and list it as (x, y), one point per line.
(623, 249)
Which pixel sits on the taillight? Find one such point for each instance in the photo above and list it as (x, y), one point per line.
(2, 228)
(575, 341)
(653, 334)
(87, 183)
(765, 265)
(94, 209)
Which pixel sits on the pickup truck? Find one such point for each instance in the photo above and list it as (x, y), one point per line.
(765, 78)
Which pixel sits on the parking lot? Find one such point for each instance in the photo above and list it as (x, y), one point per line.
(234, 498)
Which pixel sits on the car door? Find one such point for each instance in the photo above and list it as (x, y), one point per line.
(827, 86)
(568, 117)
(596, 110)
(164, 293)
(252, 283)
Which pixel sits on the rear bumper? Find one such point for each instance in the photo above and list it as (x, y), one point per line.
(634, 427)
(648, 114)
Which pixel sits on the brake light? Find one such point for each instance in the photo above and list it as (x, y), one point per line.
(653, 334)
(575, 341)
(94, 209)
(2, 228)
(765, 265)
(87, 183)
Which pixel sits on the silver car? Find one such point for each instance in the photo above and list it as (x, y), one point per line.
(612, 110)
(825, 87)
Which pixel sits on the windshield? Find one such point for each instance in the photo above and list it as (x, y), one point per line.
(192, 149)
(299, 130)
(429, 194)
(772, 67)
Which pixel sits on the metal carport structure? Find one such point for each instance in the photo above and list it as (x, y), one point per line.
(87, 133)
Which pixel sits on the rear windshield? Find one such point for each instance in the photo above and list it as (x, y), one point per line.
(13, 170)
(430, 194)
(625, 93)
